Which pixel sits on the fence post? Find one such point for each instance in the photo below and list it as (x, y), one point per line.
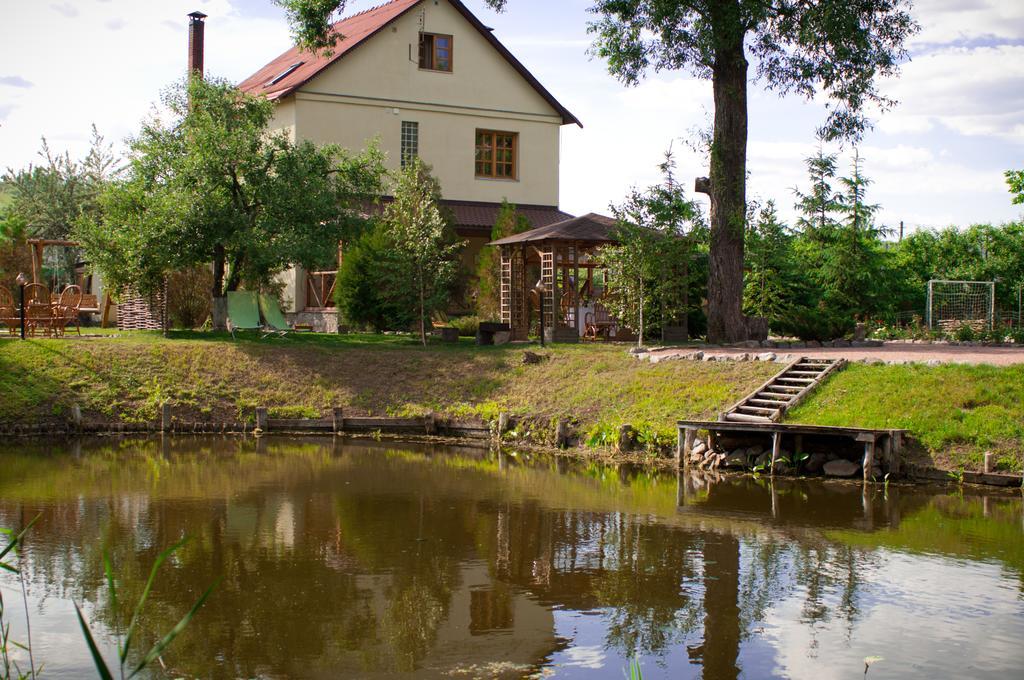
(261, 418)
(165, 416)
(338, 419)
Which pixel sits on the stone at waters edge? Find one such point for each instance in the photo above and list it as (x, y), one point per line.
(736, 459)
(840, 468)
(815, 462)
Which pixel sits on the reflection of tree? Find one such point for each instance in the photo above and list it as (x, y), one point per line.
(355, 561)
(720, 651)
(643, 585)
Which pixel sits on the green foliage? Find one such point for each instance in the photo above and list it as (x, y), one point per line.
(1015, 180)
(9, 669)
(965, 333)
(310, 22)
(363, 291)
(45, 201)
(423, 261)
(124, 644)
(773, 280)
(211, 183)
(50, 197)
(467, 325)
(953, 410)
(649, 268)
(794, 45)
(488, 268)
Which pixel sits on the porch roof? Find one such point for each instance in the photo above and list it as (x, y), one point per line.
(591, 228)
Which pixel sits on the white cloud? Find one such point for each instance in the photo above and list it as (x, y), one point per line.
(977, 91)
(111, 77)
(946, 21)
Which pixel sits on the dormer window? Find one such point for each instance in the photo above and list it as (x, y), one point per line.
(436, 52)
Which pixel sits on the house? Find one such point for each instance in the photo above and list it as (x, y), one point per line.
(424, 78)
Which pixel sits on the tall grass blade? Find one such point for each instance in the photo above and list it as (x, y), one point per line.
(166, 640)
(101, 665)
(17, 539)
(145, 594)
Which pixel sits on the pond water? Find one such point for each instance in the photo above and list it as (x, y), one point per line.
(372, 559)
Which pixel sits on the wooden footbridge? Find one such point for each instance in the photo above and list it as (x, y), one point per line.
(760, 414)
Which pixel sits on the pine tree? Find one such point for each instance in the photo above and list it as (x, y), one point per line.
(770, 282)
(817, 207)
(854, 273)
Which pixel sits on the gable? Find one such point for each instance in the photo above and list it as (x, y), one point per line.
(377, 58)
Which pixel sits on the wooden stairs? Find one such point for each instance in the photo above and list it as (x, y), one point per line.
(769, 402)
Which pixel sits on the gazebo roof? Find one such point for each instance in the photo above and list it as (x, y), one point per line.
(589, 228)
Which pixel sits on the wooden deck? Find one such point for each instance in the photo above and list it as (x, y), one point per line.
(889, 442)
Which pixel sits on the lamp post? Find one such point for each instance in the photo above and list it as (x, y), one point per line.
(540, 296)
(21, 281)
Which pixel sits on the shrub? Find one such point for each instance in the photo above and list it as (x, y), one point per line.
(809, 323)
(467, 325)
(362, 287)
(965, 333)
(188, 296)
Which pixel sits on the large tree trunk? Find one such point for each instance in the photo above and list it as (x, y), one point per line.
(726, 186)
(721, 607)
(218, 302)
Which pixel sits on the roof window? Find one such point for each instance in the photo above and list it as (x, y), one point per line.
(283, 74)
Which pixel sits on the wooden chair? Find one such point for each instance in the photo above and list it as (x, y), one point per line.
(8, 312)
(598, 323)
(38, 311)
(66, 310)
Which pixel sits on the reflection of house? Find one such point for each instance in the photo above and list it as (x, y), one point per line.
(425, 78)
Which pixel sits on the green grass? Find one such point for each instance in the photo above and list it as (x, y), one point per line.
(956, 412)
(211, 377)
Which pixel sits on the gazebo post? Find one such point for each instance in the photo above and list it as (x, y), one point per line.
(576, 285)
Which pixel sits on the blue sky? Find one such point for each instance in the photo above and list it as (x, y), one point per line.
(937, 159)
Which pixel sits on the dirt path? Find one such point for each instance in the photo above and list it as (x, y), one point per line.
(889, 353)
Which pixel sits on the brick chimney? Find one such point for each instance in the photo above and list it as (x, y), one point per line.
(195, 43)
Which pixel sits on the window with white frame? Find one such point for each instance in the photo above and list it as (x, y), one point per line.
(410, 141)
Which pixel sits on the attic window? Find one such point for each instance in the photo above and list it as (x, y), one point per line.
(436, 52)
(283, 74)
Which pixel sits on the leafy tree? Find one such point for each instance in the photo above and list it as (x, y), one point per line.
(50, 197)
(45, 200)
(212, 184)
(423, 261)
(1015, 180)
(832, 47)
(488, 266)
(649, 267)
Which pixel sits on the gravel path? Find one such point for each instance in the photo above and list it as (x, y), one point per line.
(889, 353)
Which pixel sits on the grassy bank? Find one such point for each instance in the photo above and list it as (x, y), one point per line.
(124, 379)
(955, 412)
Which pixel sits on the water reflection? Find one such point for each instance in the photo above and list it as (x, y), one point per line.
(363, 560)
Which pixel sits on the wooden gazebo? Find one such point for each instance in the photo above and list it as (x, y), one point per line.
(544, 264)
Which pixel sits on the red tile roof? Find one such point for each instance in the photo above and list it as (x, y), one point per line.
(473, 216)
(356, 29)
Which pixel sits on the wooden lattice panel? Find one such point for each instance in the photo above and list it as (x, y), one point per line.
(141, 313)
